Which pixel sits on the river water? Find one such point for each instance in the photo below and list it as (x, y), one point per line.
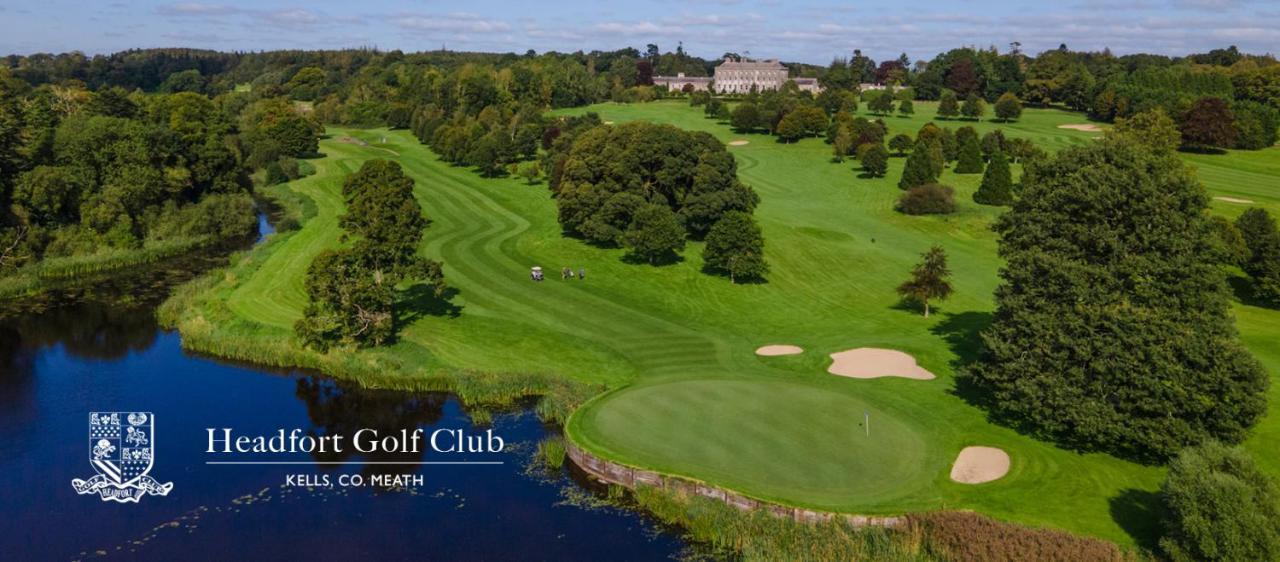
(99, 349)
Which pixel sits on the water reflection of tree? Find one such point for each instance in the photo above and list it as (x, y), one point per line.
(91, 330)
(343, 408)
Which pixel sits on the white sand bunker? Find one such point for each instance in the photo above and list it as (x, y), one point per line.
(1086, 127)
(608, 122)
(976, 465)
(870, 363)
(776, 350)
(1234, 200)
(739, 142)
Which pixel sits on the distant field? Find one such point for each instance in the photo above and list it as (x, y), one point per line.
(690, 397)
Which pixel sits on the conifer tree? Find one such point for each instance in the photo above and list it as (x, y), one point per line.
(948, 105)
(997, 183)
(919, 168)
(970, 161)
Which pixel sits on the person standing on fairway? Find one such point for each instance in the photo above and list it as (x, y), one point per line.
(582, 273)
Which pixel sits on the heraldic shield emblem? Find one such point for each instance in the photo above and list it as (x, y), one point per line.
(121, 451)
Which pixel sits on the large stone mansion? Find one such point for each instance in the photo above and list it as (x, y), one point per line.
(734, 77)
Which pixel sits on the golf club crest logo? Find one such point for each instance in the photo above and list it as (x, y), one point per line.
(121, 451)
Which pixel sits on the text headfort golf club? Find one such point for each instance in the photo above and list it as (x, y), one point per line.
(225, 440)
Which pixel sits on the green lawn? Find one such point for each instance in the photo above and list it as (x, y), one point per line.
(676, 345)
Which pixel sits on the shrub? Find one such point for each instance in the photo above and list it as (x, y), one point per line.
(963, 537)
(928, 199)
(1220, 506)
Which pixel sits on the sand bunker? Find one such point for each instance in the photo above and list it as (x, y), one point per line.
(870, 363)
(608, 122)
(738, 143)
(776, 350)
(976, 465)
(1087, 127)
(1234, 200)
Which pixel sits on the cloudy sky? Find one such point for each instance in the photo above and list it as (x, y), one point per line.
(798, 30)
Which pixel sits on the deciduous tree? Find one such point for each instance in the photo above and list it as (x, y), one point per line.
(735, 247)
(1220, 506)
(655, 235)
(1008, 107)
(974, 108)
(1208, 124)
(875, 160)
(1262, 263)
(900, 143)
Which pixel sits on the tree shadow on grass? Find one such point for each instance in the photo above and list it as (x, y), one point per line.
(1139, 513)
(963, 334)
(669, 258)
(421, 300)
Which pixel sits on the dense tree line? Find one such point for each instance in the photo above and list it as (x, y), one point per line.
(1112, 330)
(631, 185)
(82, 171)
(353, 291)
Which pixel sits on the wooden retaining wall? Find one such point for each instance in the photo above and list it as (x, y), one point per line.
(622, 475)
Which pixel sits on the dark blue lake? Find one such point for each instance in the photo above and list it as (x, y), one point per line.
(77, 353)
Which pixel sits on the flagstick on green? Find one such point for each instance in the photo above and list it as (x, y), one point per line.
(866, 422)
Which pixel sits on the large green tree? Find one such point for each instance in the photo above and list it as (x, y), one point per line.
(735, 247)
(690, 171)
(1220, 506)
(353, 292)
(1262, 262)
(655, 234)
(1112, 330)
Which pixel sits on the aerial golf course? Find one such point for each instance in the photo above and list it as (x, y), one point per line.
(674, 349)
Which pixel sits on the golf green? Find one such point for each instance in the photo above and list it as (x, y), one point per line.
(776, 440)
